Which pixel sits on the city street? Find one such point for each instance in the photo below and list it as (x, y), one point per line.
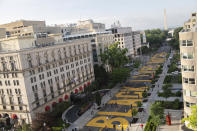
(117, 113)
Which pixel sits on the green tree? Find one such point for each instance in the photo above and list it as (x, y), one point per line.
(192, 119)
(139, 104)
(175, 40)
(115, 56)
(156, 109)
(145, 94)
(156, 120)
(155, 37)
(167, 93)
(98, 98)
(101, 76)
(134, 112)
(119, 75)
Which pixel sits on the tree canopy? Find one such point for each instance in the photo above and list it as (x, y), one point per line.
(192, 119)
(115, 56)
(155, 37)
(175, 40)
(157, 113)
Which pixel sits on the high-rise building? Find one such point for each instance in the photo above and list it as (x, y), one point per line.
(188, 44)
(38, 68)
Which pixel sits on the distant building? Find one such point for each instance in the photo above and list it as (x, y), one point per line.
(127, 39)
(100, 39)
(171, 33)
(39, 69)
(188, 41)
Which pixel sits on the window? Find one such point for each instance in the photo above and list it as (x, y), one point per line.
(17, 82)
(187, 104)
(188, 68)
(20, 108)
(187, 93)
(187, 56)
(30, 79)
(189, 43)
(3, 100)
(12, 107)
(185, 80)
(11, 100)
(191, 81)
(193, 94)
(19, 100)
(71, 59)
(183, 42)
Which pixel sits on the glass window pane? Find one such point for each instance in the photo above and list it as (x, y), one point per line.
(193, 94)
(191, 81)
(189, 43)
(190, 56)
(187, 93)
(185, 80)
(183, 42)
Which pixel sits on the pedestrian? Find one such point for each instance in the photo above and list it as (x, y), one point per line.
(107, 118)
(125, 110)
(114, 126)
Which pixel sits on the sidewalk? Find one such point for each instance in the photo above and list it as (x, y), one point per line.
(176, 116)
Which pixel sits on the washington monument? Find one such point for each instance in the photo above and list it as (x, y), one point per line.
(165, 20)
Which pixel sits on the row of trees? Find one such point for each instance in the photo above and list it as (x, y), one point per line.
(155, 37)
(175, 39)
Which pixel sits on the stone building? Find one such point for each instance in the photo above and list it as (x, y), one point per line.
(38, 68)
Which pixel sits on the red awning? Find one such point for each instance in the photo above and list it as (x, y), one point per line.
(60, 100)
(80, 88)
(88, 83)
(66, 97)
(47, 108)
(76, 91)
(53, 104)
(14, 116)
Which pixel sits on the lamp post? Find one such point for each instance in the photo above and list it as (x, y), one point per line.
(44, 125)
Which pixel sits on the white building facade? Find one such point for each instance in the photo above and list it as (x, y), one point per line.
(188, 44)
(36, 73)
(127, 39)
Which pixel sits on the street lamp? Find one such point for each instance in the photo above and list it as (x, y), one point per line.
(44, 124)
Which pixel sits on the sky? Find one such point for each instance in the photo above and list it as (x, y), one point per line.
(139, 14)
